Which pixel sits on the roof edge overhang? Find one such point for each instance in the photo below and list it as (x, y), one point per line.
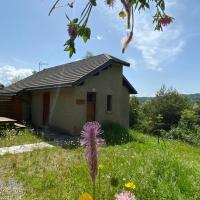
(81, 80)
(131, 89)
(8, 94)
(117, 60)
(48, 87)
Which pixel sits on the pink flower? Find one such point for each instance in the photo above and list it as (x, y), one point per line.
(166, 20)
(91, 140)
(125, 196)
(72, 30)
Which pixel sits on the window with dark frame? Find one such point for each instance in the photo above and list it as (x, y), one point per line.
(109, 102)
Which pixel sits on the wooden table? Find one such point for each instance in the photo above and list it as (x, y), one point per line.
(7, 122)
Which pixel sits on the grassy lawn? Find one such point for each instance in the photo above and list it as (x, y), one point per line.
(161, 172)
(11, 137)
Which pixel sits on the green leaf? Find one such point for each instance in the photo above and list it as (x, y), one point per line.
(147, 5)
(85, 38)
(93, 2)
(71, 54)
(67, 42)
(80, 30)
(75, 20)
(86, 34)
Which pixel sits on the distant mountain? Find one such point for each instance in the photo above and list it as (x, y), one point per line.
(193, 97)
(143, 99)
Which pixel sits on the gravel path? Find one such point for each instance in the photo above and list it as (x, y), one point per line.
(24, 148)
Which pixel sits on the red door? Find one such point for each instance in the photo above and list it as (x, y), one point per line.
(46, 104)
(91, 106)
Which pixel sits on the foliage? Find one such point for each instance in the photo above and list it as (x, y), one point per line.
(158, 172)
(13, 137)
(114, 134)
(187, 129)
(168, 106)
(133, 112)
(78, 27)
(197, 110)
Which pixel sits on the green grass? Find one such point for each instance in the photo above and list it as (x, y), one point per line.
(11, 137)
(160, 172)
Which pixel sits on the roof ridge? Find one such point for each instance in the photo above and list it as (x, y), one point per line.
(68, 73)
(80, 60)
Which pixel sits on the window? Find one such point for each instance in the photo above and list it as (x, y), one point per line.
(109, 102)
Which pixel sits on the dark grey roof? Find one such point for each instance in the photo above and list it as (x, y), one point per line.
(67, 75)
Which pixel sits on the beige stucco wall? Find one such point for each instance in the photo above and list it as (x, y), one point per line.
(66, 115)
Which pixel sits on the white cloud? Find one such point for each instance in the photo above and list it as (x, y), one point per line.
(132, 62)
(99, 37)
(8, 72)
(156, 48)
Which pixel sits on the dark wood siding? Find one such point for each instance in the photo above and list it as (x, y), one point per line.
(11, 107)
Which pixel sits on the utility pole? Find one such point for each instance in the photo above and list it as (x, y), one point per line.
(42, 64)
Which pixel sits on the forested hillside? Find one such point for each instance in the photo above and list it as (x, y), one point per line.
(192, 97)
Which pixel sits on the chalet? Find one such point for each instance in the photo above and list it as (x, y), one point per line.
(66, 96)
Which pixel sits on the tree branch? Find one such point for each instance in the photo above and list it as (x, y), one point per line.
(53, 7)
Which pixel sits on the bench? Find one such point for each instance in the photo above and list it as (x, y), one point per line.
(19, 126)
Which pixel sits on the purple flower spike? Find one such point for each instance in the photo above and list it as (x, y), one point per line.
(91, 140)
(125, 196)
(72, 30)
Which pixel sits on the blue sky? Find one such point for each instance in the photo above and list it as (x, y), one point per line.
(28, 35)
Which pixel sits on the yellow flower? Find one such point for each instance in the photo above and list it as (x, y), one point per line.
(130, 186)
(122, 14)
(85, 196)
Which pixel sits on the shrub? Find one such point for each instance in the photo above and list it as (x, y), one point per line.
(164, 111)
(133, 112)
(115, 134)
(187, 135)
(187, 130)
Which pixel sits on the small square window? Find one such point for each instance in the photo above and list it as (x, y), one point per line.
(109, 102)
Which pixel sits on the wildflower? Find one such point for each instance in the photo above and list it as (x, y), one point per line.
(166, 20)
(91, 140)
(72, 30)
(125, 196)
(85, 196)
(122, 14)
(130, 186)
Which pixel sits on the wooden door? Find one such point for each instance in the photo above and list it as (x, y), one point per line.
(91, 106)
(46, 105)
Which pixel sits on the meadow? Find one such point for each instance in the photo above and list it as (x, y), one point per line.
(165, 171)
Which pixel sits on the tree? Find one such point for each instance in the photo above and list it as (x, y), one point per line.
(170, 104)
(197, 109)
(133, 112)
(78, 27)
(164, 111)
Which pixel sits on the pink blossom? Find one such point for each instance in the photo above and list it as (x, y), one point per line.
(91, 140)
(125, 196)
(72, 30)
(166, 20)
